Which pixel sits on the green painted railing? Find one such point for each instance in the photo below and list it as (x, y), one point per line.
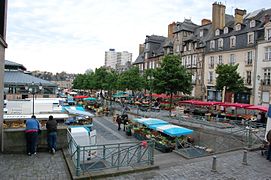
(107, 156)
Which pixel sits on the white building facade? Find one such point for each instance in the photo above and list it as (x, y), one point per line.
(114, 59)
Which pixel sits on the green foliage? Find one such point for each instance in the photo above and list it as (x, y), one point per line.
(148, 78)
(229, 77)
(130, 79)
(171, 77)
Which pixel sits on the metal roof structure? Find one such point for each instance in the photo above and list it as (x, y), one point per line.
(20, 78)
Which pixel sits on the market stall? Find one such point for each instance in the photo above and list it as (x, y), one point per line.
(167, 136)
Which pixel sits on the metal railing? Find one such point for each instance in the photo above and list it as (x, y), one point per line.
(107, 156)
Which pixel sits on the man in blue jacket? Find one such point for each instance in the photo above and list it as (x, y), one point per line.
(31, 134)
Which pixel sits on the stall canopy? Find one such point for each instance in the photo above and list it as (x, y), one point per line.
(121, 95)
(89, 99)
(149, 121)
(172, 130)
(78, 111)
(259, 108)
(80, 97)
(237, 105)
(200, 103)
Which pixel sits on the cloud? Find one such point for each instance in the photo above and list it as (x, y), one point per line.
(72, 36)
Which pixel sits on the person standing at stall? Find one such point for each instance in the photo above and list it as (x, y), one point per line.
(31, 133)
(118, 120)
(268, 138)
(51, 127)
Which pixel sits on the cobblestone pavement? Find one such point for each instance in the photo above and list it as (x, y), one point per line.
(229, 167)
(172, 166)
(42, 166)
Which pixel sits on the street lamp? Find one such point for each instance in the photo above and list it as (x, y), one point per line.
(150, 78)
(33, 89)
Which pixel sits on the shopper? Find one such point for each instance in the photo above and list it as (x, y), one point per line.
(268, 138)
(118, 120)
(51, 127)
(31, 133)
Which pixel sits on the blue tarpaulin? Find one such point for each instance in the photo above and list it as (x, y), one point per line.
(149, 121)
(172, 130)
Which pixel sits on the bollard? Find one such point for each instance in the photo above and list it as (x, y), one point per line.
(214, 164)
(245, 158)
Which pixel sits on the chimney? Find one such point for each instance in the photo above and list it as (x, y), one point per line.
(141, 48)
(238, 15)
(205, 21)
(218, 15)
(266, 18)
(170, 30)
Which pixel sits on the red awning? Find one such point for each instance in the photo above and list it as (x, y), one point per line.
(207, 103)
(80, 97)
(259, 108)
(237, 105)
(189, 101)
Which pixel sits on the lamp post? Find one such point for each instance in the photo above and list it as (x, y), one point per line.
(33, 89)
(150, 78)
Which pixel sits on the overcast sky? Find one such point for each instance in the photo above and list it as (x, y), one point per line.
(72, 35)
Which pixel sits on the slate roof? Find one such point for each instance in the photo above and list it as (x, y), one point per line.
(187, 25)
(20, 78)
(139, 59)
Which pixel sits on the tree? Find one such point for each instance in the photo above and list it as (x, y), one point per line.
(131, 80)
(229, 77)
(172, 77)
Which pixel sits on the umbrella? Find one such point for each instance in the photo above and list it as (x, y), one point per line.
(80, 97)
(89, 99)
(259, 108)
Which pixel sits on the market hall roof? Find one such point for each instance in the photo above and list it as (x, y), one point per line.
(20, 78)
(14, 65)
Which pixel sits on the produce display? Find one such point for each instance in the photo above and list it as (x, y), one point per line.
(14, 124)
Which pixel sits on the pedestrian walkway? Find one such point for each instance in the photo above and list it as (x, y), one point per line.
(42, 166)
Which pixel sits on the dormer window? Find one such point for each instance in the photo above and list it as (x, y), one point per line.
(212, 44)
(250, 38)
(252, 23)
(268, 34)
(237, 27)
(220, 43)
(232, 41)
(226, 30)
(217, 32)
(201, 33)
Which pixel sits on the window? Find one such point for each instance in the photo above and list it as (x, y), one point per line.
(217, 32)
(189, 46)
(194, 61)
(268, 34)
(252, 23)
(220, 60)
(212, 62)
(232, 41)
(237, 27)
(212, 44)
(210, 78)
(266, 76)
(268, 53)
(232, 59)
(184, 49)
(177, 48)
(220, 43)
(248, 78)
(250, 38)
(249, 58)
(201, 33)
(147, 46)
(226, 30)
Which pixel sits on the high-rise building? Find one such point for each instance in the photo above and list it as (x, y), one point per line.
(115, 59)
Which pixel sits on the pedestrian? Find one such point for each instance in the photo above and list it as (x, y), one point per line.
(268, 138)
(118, 120)
(51, 127)
(31, 133)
